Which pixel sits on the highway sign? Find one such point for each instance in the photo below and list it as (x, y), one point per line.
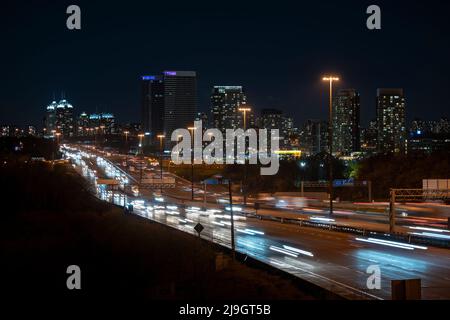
(199, 228)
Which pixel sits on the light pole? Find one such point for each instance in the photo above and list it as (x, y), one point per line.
(330, 79)
(231, 219)
(141, 135)
(126, 147)
(245, 110)
(54, 145)
(161, 137)
(57, 134)
(191, 129)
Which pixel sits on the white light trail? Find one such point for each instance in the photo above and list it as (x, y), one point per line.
(392, 244)
(322, 219)
(255, 231)
(429, 229)
(306, 253)
(431, 235)
(245, 231)
(281, 250)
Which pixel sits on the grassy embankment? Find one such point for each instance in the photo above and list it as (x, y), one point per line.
(50, 221)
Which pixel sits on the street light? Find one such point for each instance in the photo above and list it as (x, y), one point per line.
(245, 110)
(191, 129)
(126, 147)
(58, 134)
(161, 137)
(141, 135)
(330, 79)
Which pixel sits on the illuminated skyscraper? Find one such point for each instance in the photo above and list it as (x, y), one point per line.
(180, 101)
(169, 102)
(391, 121)
(59, 118)
(50, 118)
(152, 109)
(225, 104)
(346, 125)
(64, 118)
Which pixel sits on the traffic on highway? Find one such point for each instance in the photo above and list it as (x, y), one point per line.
(338, 261)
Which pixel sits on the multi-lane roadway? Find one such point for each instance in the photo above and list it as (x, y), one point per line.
(336, 261)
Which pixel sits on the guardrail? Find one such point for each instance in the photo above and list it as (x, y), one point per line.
(354, 230)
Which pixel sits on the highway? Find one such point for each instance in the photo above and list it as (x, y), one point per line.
(336, 261)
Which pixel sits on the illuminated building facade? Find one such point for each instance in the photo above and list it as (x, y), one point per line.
(391, 121)
(225, 104)
(274, 119)
(346, 124)
(59, 118)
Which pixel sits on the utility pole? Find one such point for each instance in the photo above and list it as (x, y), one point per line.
(232, 219)
(161, 137)
(192, 161)
(330, 140)
(392, 211)
(126, 147)
(244, 188)
(141, 157)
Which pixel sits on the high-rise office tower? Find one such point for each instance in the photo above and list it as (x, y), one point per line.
(180, 101)
(391, 121)
(169, 102)
(225, 104)
(346, 124)
(64, 118)
(152, 109)
(59, 118)
(50, 118)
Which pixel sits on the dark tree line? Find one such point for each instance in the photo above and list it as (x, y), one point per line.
(402, 171)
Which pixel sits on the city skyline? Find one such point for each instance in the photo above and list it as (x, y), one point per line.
(181, 154)
(288, 81)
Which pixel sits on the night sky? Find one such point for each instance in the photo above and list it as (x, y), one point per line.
(277, 50)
